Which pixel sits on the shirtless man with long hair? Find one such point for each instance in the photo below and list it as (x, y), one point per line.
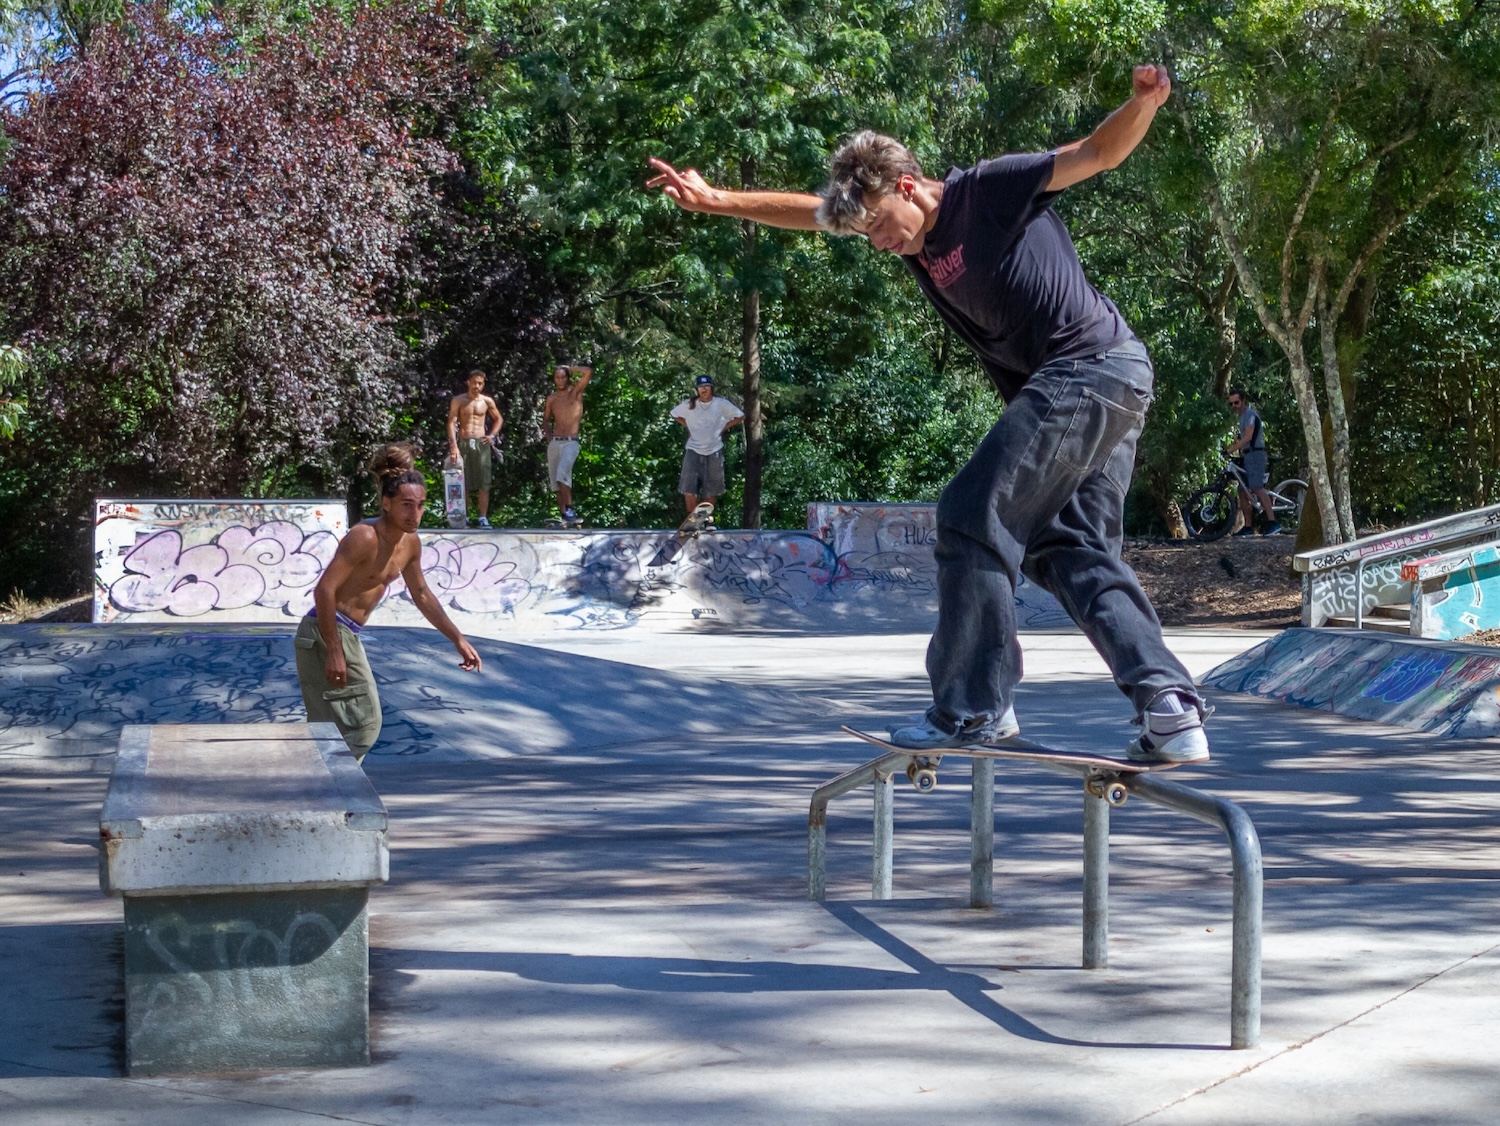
(337, 685)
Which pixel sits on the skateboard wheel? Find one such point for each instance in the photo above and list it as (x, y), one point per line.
(1116, 793)
(1094, 787)
(924, 778)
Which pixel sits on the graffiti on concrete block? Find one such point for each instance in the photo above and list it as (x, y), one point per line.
(238, 560)
(1455, 594)
(473, 576)
(273, 565)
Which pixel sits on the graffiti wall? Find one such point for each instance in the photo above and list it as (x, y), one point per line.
(1455, 594)
(243, 561)
(1331, 575)
(868, 567)
(1443, 688)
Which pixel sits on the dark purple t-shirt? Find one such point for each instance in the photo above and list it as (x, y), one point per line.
(999, 267)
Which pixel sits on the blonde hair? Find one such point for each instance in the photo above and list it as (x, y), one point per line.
(861, 170)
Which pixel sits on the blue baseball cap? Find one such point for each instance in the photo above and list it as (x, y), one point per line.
(704, 381)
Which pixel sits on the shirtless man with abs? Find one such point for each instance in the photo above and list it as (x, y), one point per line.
(561, 418)
(337, 685)
(470, 440)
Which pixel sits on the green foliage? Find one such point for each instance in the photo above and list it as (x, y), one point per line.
(1429, 418)
(532, 240)
(12, 407)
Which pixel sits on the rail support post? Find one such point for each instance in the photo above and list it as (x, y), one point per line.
(982, 834)
(1095, 882)
(882, 855)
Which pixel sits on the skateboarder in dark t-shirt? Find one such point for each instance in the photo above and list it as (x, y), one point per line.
(1044, 493)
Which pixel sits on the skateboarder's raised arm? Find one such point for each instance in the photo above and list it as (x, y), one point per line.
(796, 211)
(1117, 135)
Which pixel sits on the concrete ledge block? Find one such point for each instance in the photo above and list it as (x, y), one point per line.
(246, 982)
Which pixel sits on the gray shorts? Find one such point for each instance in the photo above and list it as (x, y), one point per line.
(702, 474)
(561, 454)
(1254, 462)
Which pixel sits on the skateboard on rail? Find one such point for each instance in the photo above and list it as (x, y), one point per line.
(698, 521)
(1102, 780)
(455, 499)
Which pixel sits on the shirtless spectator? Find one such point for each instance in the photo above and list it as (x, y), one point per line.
(470, 441)
(337, 685)
(561, 418)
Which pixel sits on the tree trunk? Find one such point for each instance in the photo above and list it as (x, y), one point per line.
(1312, 429)
(1222, 315)
(750, 387)
(1171, 515)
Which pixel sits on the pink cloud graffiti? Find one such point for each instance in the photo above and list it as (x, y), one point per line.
(469, 577)
(273, 564)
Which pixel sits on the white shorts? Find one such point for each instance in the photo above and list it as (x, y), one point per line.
(561, 454)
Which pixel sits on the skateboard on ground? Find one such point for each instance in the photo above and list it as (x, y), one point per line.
(698, 521)
(1102, 780)
(556, 523)
(455, 499)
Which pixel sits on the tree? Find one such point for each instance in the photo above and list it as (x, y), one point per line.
(207, 251)
(752, 92)
(1321, 130)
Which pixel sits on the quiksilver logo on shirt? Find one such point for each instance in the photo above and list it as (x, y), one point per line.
(948, 269)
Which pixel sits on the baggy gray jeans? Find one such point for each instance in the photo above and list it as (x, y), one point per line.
(1044, 495)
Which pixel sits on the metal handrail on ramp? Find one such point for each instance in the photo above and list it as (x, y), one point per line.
(1244, 850)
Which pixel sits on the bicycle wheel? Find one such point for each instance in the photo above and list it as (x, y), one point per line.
(1289, 515)
(1210, 513)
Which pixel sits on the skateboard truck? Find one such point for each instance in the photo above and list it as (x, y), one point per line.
(1108, 787)
(921, 772)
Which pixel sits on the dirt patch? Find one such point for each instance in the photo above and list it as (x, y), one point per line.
(1483, 637)
(1244, 582)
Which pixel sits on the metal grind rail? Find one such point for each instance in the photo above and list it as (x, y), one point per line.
(1244, 849)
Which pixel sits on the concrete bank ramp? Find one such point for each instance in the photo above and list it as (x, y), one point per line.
(861, 568)
(1441, 687)
(66, 690)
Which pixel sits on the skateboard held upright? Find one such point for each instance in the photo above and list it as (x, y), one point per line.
(455, 498)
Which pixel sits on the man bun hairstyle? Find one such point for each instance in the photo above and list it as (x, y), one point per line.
(861, 170)
(394, 465)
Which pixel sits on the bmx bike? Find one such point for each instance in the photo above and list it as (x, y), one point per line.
(1211, 512)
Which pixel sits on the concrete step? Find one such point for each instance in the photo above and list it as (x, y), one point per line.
(1396, 611)
(1383, 625)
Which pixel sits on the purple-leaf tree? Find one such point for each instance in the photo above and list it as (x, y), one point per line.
(209, 243)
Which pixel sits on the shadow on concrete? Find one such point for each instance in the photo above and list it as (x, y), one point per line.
(706, 976)
(62, 1000)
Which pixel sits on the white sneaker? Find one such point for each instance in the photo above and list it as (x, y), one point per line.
(924, 735)
(1170, 737)
(484, 522)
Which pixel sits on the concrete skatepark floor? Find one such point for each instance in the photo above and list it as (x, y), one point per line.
(608, 924)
